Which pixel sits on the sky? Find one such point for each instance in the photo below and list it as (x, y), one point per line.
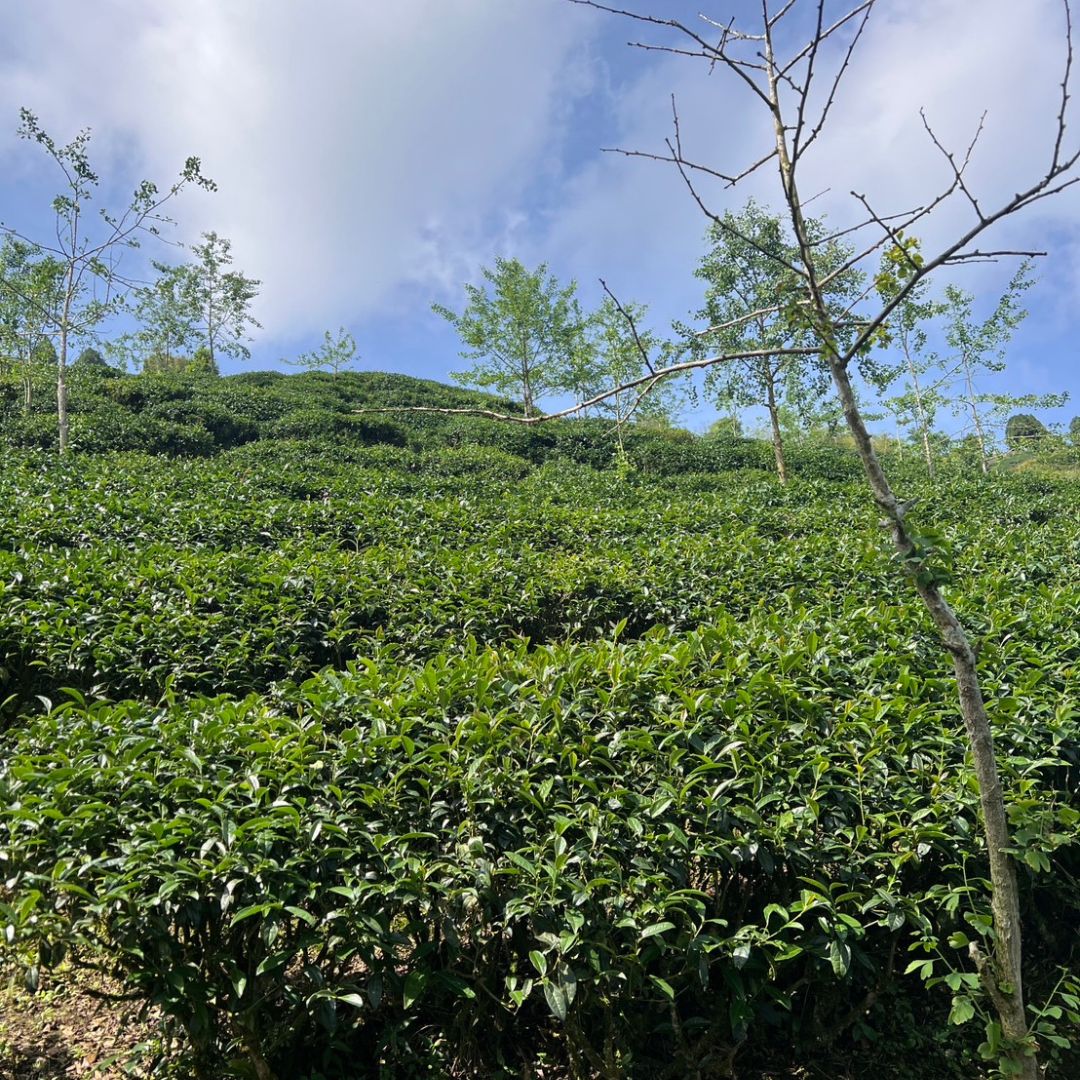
(371, 158)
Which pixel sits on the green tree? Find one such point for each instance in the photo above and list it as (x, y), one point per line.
(91, 358)
(1024, 432)
(979, 350)
(748, 267)
(1000, 409)
(615, 354)
(334, 354)
(523, 334)
(916, 407)
(161, 363)
(202, 363)
(88, 247)
(165, 321)
(217, 300)
(31, 289)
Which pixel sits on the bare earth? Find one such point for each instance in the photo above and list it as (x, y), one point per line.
(65, 1031)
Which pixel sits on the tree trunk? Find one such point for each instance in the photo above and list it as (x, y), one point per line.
(61, 359)
(211, 332)
(980, 434)
(920, 410)
(774, 421)
(1001, 973)
(928, 453)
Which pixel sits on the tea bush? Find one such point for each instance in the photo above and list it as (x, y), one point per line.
(635, 852)
(440, 756)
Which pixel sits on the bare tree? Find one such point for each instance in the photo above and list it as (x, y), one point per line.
(796, 96)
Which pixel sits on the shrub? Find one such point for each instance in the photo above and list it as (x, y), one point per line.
(226, 428)
(1024, 432)
(315, 423)
(491, 855)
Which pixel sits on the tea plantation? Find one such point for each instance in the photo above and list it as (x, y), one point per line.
(391, 746)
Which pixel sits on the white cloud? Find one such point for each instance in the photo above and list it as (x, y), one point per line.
(945, 55)
(371, 156)
(359, 148)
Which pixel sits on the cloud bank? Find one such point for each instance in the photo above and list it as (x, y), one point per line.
(371, 157)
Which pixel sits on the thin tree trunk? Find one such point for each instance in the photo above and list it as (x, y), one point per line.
(211, 332)
(774, 421)
(526, 372)
(65, 330)
(1001, 973)
(61, 366)
(920, 409)
(980, 433)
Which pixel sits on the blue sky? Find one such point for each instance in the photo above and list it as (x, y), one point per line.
(371, 158)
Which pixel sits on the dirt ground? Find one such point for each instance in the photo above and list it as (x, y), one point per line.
(65, 1031)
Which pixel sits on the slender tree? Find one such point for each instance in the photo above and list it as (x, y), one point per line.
(335, 354)
(89, 248)
(917, 405)
(979, 350)
(31, 289)
(217, 300)
(746, 268)
(521, 335)
(615, 351)
(166, 322)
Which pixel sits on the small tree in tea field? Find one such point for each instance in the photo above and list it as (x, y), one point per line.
(88, 247)
(521, 332)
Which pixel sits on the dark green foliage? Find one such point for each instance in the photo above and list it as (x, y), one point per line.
(543, 764)
(1024, 431)
(159, 363)
(334, 426)
(90, 357)
(203, 362)
(221, 413)
(225, 428)
(488, 855)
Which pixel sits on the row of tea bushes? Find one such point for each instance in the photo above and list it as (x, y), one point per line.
(626, 859)
(124, 575)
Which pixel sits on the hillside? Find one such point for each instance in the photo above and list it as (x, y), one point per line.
(199, 416)
(418, 746)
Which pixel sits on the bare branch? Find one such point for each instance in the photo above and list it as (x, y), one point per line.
(825, 35)
(991, 256)
(828, 238)
(748, 317)
(668, 159)
(958, 170)
(1066, 79)
(642, 351)
(798, 150)
(773, 20)
(804, 97)
(652, 378)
